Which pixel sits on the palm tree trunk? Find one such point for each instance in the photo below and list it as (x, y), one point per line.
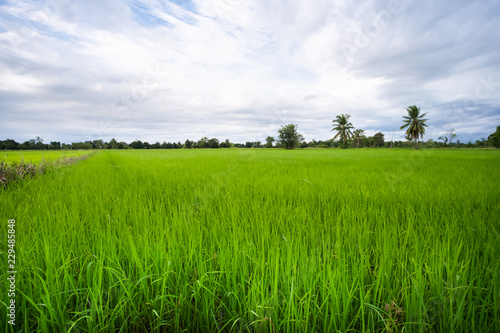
(416, 143)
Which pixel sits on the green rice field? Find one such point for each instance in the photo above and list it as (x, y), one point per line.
(37, 156)
(257, 240)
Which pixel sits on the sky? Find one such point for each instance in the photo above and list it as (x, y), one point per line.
(158, 70)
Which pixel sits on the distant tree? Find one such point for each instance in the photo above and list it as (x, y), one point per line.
(415, 123)
(82, 145)
(430, 143)
(213, 143)
(289, 136)
(39, 143)
(481, 143)
(494, 138)
(343, 127)
(444, 138)
(322, 144)
(55, 145)
(225, 144)
(312, 143)
(30, 144)
(269, 142)
(248, 144)
(257, 144)
(113, 144)
(452, 135)
(202, 143)
(146, 145)
(97, 144)
(370, 141)
(449, 136)
(357, 135)
(9, 144)
(188, 144)
(379, 139)
(137, 144)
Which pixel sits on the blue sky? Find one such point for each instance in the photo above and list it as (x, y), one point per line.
(176, 70)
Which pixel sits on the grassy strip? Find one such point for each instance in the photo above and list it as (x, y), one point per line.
(37, 156)
(11, 172)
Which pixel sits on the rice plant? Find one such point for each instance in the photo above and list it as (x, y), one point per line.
(258, 241)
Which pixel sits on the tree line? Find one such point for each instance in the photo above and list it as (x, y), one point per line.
(359, 140)
(288, 137)
(414, 123)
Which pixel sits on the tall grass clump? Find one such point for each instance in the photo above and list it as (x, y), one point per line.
(16, 171)
(259, 241)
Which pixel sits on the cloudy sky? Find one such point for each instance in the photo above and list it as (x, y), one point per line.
(158, 70)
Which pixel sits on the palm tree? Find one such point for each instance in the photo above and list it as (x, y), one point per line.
(343, 127)
(415, 123)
